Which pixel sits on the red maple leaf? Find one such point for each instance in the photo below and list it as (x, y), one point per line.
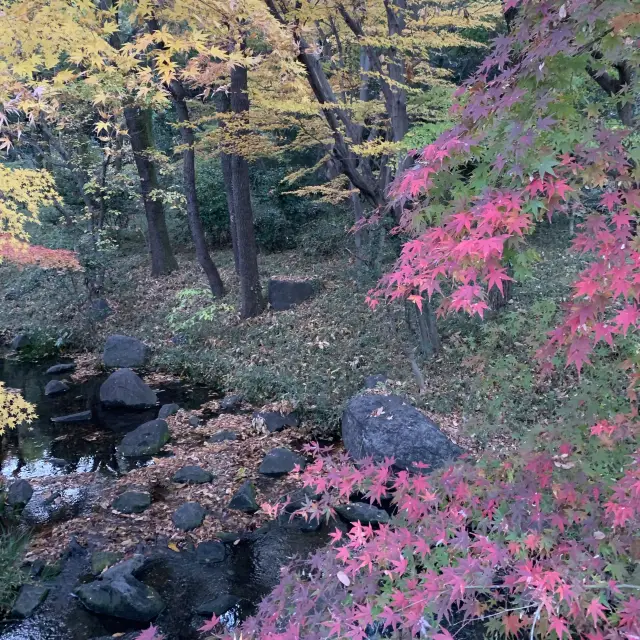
(210, 625)
(595, 610)
(512, 624)
(152, 633)
(559, 625)
(628, 317)
(610, 199)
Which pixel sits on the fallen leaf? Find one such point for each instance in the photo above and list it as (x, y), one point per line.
(174, 547)
(344, 578)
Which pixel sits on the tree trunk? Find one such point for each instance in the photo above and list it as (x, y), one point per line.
(427, 329)
(498, 301)
(227, 174)
(251, 301)
(189, 178)
(139, 127)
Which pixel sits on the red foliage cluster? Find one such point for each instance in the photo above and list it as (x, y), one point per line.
(24, 254)
(538, 544)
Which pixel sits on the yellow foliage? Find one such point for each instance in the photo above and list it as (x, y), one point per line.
(13, 409)
(22, 193)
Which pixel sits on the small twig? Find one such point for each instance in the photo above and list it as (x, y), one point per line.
(536, 617)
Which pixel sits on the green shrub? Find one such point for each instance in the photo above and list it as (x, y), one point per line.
(12, 547)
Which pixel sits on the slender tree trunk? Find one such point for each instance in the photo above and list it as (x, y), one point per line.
(427, 329)
(189, 178)
(499, 301)
(139, 127)
(227, 175)
(251, 301)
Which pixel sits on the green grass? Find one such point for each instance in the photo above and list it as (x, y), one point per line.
(12, 548)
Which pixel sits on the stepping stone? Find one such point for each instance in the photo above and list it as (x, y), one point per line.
(192, 475)
(245, 499)
(82, 416)
(145, 440)
(19, 493)
(56, 387)
(189, 516)
(132, 502)
(362, 512)
(231, 403)
(220, 605)
(280, 461)
(371, 382)
(275, 421)
(167, 410)
(211, 552)
(121, 597)
(194, 421)
(29, 599)
(67, 367)
(221, 436)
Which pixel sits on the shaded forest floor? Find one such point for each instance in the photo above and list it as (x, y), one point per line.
(484, 387)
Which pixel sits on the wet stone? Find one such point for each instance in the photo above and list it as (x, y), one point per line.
(221, 436)
(275, 421)
(363, 513)
(56, 387)
(219, 606)
(19, 493)
(167, 410)
(101, 560)
(28, 600)
(192, 475)
(145, 440)
(132, 502)
(81, 416)
(66, 367)
(231, 403)
(211, 552)
(280, 461)
(189, 516)
(245, 499)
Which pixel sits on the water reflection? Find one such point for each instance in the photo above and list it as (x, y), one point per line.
(46, 449)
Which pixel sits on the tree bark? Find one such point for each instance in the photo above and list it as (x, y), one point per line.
(227, 174)
(251, 301)
(139, 127)
(224, 106)
(189, 178)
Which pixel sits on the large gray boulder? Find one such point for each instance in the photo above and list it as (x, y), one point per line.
(124, 352)
(286, 293)
(121, 597)
(145, 440)
(388, 426)
(123, 388)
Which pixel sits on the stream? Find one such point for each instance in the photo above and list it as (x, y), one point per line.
(249, 571)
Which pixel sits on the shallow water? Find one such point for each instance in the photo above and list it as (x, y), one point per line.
(250, 570)
(46, 449)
